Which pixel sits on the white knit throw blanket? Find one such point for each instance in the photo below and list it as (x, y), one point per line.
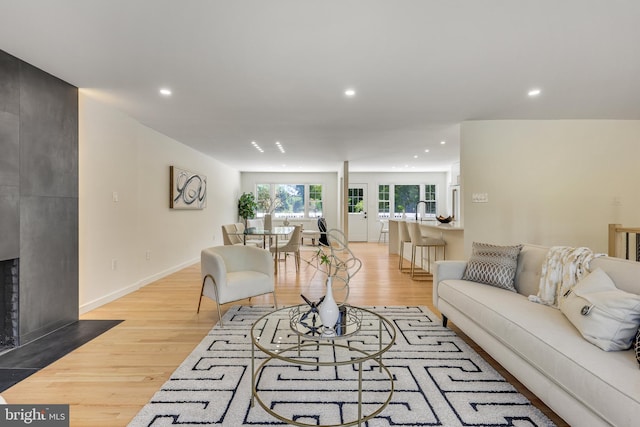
(562, 269)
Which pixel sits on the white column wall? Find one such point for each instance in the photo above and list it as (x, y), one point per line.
(549, 182)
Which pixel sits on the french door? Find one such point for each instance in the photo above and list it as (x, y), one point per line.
(357, 210)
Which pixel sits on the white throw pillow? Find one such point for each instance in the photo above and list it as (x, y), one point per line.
(605, 315)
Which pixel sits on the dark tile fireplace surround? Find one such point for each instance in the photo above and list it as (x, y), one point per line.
(38, 203)
(38, 222)
(9, 299)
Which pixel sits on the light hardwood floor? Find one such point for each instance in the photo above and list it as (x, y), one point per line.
(108, 380)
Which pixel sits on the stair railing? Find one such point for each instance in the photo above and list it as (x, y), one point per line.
(624, 242)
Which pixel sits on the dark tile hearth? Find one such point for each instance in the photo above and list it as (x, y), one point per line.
(19, 363)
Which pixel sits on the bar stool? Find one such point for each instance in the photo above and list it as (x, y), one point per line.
(420, 241)
(403, 237)
(384, 230)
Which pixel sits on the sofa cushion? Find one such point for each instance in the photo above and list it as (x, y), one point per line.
(529, 269)
(493, 265)
(245, 284)
(604, 315)
(607, 382)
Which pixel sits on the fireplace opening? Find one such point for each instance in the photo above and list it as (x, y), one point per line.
(9, 302)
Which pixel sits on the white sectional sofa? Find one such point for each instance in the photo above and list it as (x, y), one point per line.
(583, 384)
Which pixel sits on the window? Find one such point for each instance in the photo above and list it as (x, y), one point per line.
(356, 200)
(430, 198)
(290, 200)
(315, 201)
(383, 201)
(406, 198)
(396, 199)
(264, 199)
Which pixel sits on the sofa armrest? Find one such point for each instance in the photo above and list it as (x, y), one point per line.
(446, 270)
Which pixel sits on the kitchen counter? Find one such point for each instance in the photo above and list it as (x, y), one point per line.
(452, 234)
(434, 224)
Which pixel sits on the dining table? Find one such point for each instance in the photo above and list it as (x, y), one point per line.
(268, 235)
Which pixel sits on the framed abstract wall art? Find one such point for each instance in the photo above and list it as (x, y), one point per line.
(188, 190)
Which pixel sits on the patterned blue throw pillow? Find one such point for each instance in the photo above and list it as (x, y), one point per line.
(493, 265)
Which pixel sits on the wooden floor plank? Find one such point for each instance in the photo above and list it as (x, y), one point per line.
(108, 380)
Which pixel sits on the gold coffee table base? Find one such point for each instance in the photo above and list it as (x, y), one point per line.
(358, 357)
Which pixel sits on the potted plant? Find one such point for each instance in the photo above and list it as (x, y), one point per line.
(247, 207)
(269, 204)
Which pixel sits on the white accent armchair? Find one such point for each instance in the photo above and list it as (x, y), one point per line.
(233, 272)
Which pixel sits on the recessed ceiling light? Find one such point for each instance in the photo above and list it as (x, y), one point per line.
(426, 151)
(280, 147)
(165, 92)
(350, 92)
(443, 142)
(255, 144)
(415, 156)
(534, 92)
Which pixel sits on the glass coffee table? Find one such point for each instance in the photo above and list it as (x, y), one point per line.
(297, 369)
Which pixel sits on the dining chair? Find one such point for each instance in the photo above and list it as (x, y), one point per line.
(292, 245)
(322, 227)
(309, 234)
(255, 240)
(230, 236)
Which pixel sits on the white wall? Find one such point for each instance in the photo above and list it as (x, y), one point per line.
(118, 154)
(549, 182)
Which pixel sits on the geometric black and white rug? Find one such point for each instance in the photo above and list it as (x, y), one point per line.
(438, 381)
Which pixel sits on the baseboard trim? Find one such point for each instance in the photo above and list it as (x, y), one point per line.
(98, 302)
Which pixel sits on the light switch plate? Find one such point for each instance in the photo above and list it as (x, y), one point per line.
(480, 198)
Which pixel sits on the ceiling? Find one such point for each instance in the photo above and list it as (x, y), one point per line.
(267, 71)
